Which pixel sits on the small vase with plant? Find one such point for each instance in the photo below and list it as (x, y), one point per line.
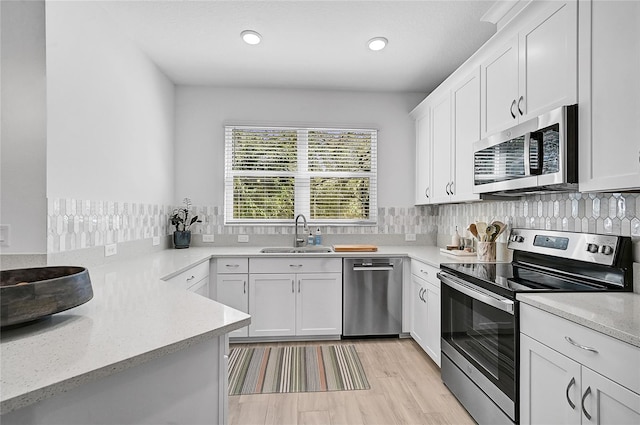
(182, 219)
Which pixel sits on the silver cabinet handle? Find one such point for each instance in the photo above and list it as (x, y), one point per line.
(584, 347)
(298, 285)
(295, 266)
(447, 188)
(190, 278)
(233, 266)
(571, 383)
(426, 191)
(584, 396)
(451, 188)
(519, 102)
(425, 272)
(244, 284)
(420, 293)
(292, 286)
(513, 115)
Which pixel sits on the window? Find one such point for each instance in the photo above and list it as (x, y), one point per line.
(274, 173)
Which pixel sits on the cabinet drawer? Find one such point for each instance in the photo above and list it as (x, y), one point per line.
(425, 271)
(189, 277)
(295, 265)
(233, 265)
(614, 359)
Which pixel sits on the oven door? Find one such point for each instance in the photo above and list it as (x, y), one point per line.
(479, 336)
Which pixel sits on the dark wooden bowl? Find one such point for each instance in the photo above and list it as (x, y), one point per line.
(29, 294)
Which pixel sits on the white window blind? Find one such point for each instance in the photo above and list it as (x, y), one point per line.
(274, 173)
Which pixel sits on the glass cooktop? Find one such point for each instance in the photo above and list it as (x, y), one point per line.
(509, 278)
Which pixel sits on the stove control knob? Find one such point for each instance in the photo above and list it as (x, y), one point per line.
(593, 248)
(606, 250)
(517, 238)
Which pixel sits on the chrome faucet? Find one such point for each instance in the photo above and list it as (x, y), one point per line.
(300, 241)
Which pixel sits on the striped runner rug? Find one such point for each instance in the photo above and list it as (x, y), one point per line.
(295, 369)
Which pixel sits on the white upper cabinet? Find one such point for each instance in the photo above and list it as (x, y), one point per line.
(423, 159)
(534, 71)
(609, 89)
(441, 148)
(500, 89)
(465, 96)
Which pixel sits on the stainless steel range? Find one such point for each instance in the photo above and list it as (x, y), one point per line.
(480, 329)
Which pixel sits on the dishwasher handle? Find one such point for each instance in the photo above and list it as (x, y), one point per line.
(372, 267)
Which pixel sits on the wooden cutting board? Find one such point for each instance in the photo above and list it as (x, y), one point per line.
(355, 248)
(458, 253)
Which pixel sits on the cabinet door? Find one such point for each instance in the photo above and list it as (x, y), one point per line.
(466, 131)
(431, 296)
(272, 305)
(608, 402)
(609, 91)
(500, 89)
(418, 311)
(423, 160)
(319, 304)
(548, 61)
(549, 385)
(233, 290)
(201, 287)
(441, 148)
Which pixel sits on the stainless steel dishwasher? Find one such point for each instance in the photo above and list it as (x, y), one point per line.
(372, 296)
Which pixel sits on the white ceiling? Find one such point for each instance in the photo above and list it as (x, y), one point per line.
(306, 44)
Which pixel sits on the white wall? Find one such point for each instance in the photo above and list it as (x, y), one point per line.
(202, 112)
(111, 112)
(23, 203)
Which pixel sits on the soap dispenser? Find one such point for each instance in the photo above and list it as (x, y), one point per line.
(318, 240)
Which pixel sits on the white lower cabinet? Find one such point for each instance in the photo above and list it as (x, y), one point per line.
(570, 374)
(232, 287)
(272, 304)
(425, 308)
(305, 303)
(194, 279)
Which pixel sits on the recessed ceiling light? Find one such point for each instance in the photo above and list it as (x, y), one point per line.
(251, 37)
(377, 43)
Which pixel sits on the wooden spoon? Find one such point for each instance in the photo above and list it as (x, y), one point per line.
(473, 230)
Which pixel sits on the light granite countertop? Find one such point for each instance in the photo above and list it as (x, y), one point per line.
(616, 314)
(133, 317)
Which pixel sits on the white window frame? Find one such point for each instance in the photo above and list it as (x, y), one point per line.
(302, 177)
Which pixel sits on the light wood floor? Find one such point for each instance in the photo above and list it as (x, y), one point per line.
(405, 389)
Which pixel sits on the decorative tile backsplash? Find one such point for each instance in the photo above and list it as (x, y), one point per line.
(608, 213)
(391, 220)
(77, 224)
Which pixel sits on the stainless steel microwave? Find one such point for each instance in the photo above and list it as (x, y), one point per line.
(538, 155)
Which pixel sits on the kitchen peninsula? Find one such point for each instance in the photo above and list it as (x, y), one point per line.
(136, 353)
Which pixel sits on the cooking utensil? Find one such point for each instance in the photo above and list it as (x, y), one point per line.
(491, 231)
(481, 227)
(501, 226)
(473, 230)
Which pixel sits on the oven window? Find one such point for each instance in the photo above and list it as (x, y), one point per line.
(484, 335)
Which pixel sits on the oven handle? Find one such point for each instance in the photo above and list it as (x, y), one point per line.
(501, 303)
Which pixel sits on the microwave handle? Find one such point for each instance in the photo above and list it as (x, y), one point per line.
(527, 154)
(534, 137)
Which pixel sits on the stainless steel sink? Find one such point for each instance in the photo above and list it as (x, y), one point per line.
(298, 250)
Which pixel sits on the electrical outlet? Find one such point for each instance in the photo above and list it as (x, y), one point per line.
(156, 240)
(5, 235)
(208, 238)
(111, 249)
(243, 238)
(410, 237)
